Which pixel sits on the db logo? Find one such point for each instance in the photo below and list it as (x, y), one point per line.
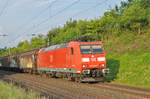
(93, 59)
(51, 58)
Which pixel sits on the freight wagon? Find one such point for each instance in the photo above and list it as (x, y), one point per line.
(24, 61)
(78, 61)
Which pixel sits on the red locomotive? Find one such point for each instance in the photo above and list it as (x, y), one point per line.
(79, 61)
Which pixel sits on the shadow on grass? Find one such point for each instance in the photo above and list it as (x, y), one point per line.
(113, 66)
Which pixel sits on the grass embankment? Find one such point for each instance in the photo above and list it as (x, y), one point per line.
(128, 58)
(9, 91)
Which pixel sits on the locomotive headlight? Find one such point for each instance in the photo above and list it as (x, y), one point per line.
(101, 58)
(85, 59)
(84, 66)
(102, 65)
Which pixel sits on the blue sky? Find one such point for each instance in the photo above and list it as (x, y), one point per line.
(20, 18)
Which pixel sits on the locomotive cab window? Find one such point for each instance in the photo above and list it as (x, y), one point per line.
(91, 49)
(72, 51)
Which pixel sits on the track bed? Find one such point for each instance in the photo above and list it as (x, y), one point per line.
(63, 89)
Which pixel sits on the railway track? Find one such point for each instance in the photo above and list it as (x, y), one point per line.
(59, 88)
(144, 92)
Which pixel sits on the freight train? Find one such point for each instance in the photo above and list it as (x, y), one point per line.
(77, 61)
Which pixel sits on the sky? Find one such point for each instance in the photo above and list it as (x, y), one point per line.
(19, 19)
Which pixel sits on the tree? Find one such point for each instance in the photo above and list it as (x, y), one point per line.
(134, 18)
(144, 3)
(38, 42)
(52, 34)
(23, 46)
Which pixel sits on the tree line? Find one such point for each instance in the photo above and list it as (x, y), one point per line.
(132, 16)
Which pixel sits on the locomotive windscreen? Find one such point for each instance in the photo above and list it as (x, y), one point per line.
(91, 49)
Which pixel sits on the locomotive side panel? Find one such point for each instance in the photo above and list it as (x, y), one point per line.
(53, 59)
(74, 57)
(59, 58)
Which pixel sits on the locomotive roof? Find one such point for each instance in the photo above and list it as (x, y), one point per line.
(54, 47)
(65, 45)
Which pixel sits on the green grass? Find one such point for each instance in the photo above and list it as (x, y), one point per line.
(129, 66)
(9, 91)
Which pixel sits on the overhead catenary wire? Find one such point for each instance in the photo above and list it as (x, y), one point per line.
(67, 7)
(83, 11)
(37, 16)
(59, 12)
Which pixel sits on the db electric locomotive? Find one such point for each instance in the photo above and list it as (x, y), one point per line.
(78, 61)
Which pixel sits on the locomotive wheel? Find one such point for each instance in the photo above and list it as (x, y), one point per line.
(70, 77)
(78, 79)
(73, 79)
(53, 74)
(41, 74)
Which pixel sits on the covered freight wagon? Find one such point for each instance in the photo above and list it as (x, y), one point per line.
(9, 62)
(27, 60)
